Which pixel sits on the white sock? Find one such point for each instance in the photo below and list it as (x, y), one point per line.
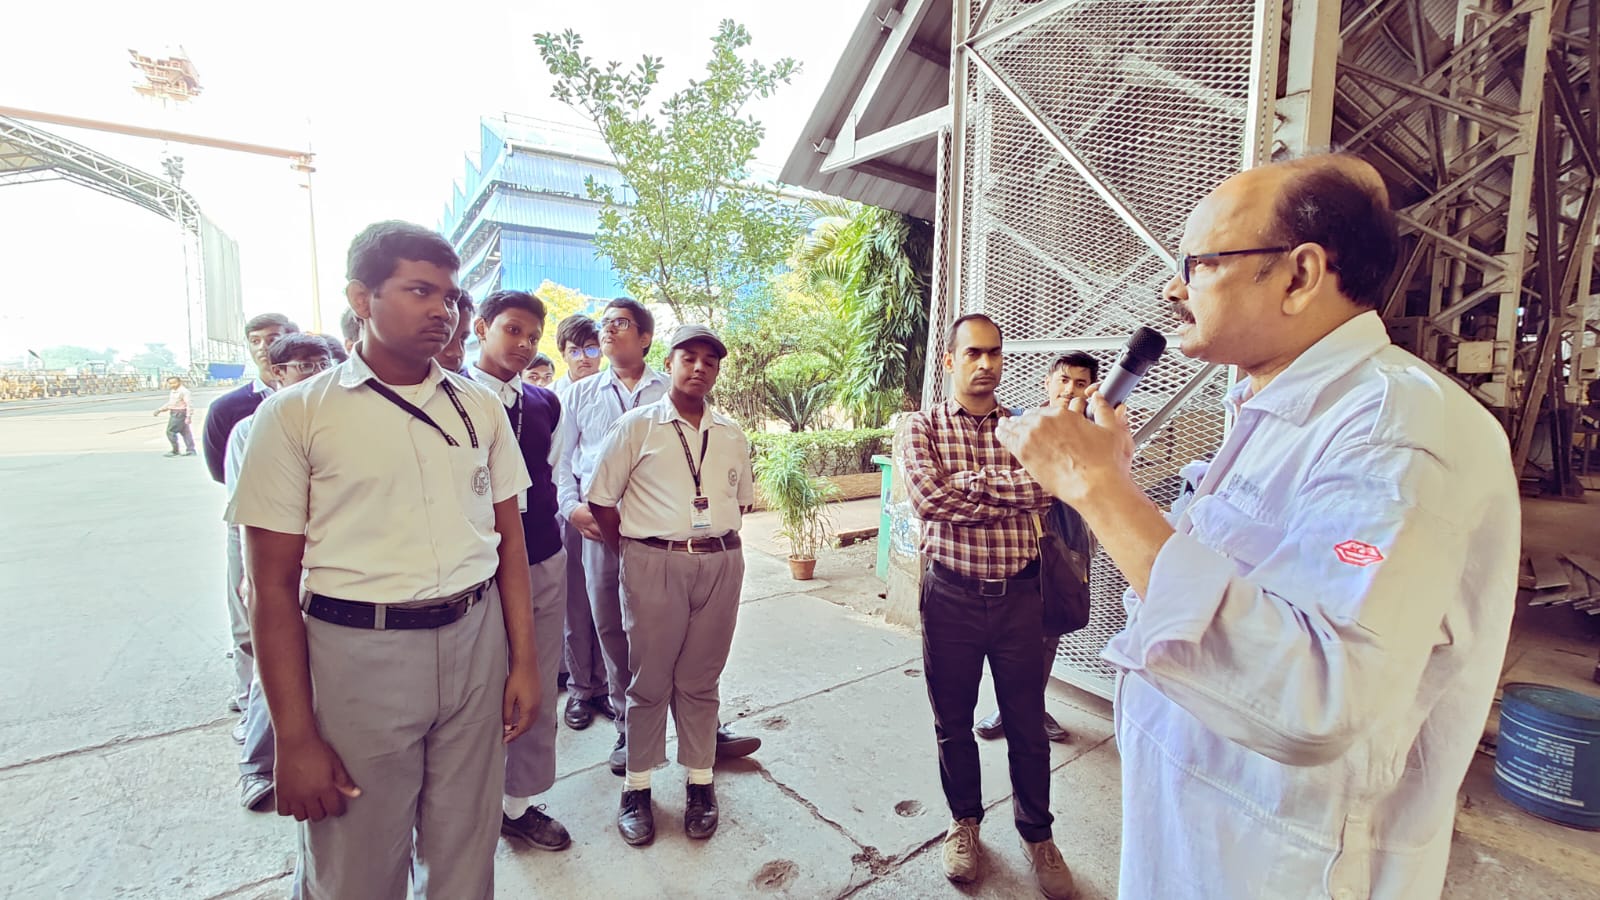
(699, 776)
(514, 807)
(638, 781)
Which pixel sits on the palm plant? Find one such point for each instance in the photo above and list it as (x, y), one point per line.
(881, 262)
(801, 501)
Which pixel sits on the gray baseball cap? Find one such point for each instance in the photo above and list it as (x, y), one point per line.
(687, 333)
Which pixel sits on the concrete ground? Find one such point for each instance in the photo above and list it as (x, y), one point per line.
(117, 774)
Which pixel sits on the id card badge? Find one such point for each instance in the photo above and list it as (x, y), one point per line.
(700, 518)
(522, 501)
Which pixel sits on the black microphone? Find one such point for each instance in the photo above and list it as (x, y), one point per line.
(1138, 355)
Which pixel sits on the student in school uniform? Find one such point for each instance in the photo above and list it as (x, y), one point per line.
(588, 695)
(294, 358)
(668, 492)
(509, 325)
(453, 357)
(393, 485)
(593, 406)
(227, 411)
(541, 372)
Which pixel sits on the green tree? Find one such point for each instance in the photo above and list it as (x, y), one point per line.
(788, 316)
(881, 262)
(154, 358)
(68, 356)
(560, 302)
(696, 232)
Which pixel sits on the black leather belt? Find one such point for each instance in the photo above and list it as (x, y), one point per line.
(984, 587)
(729, 541)
(388, 617)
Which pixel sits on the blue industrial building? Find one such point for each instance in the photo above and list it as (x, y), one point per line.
(521, 213)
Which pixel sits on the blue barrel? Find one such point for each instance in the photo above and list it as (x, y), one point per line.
(1548, 758)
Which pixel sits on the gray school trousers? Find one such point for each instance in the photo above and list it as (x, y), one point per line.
(584, 664)
(679, 610)
(600, 576)
(415, 717)
(244, 652)
(531, 758)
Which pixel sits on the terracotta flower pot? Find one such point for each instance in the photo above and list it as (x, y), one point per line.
(802, 569)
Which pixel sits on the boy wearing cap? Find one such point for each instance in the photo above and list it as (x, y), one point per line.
(673, 479)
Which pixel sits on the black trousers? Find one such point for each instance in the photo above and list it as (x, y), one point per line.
(959, 631)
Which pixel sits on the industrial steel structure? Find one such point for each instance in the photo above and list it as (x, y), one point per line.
(214, 303)
(1058, 145)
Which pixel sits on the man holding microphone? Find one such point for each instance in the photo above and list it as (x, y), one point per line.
(1314, 640)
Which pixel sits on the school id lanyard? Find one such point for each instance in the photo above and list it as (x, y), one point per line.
(694, 469)
(472, 433)
(623, 406)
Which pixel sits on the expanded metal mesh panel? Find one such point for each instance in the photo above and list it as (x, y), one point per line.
(1147, 102)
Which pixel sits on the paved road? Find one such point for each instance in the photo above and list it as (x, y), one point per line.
(117, 777)
(107, 557)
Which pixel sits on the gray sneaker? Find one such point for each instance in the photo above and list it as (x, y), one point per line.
(961, 851)
(255, 791)
(1049, 869)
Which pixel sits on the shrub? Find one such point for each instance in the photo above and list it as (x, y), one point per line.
(828, 452)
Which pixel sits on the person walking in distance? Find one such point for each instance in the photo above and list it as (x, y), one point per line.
(1068, 379)
(508, 327)
(394, 689)
(674, 517)
(981, 600)
(179, 411)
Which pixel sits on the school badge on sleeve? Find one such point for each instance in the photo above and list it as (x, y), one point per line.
(480, 481)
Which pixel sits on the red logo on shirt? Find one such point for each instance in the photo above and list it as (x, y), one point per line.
(1357, 553)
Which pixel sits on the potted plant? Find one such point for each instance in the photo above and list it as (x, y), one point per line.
(801, 501)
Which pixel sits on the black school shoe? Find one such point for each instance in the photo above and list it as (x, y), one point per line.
(636, 820)
(732, 746)
(700, 812)
(578, 715)
(537, 829)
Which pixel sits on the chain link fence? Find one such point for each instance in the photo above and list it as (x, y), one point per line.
(1086, 132)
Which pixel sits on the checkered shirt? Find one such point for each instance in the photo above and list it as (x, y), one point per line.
(976, 502)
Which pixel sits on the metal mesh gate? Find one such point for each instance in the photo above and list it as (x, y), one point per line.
(1085, 132)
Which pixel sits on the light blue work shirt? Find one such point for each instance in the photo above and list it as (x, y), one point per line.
(589, 409)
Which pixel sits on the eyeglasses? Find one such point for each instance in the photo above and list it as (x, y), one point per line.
(1187, 261)
(308, 367)
(581, 352)
(541, 378)
(619, 324)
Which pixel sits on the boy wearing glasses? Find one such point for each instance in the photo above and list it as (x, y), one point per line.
(293, 358)
(592, 406)
(578, 342)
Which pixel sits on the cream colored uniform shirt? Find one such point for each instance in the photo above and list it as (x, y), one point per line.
(644, 473)
(391, 512)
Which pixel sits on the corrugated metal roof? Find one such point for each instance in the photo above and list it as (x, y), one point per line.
(919, 85)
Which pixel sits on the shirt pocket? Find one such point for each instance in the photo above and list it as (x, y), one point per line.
(1232, 532)
(474, 491)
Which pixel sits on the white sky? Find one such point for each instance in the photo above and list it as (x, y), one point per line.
(388, 95)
